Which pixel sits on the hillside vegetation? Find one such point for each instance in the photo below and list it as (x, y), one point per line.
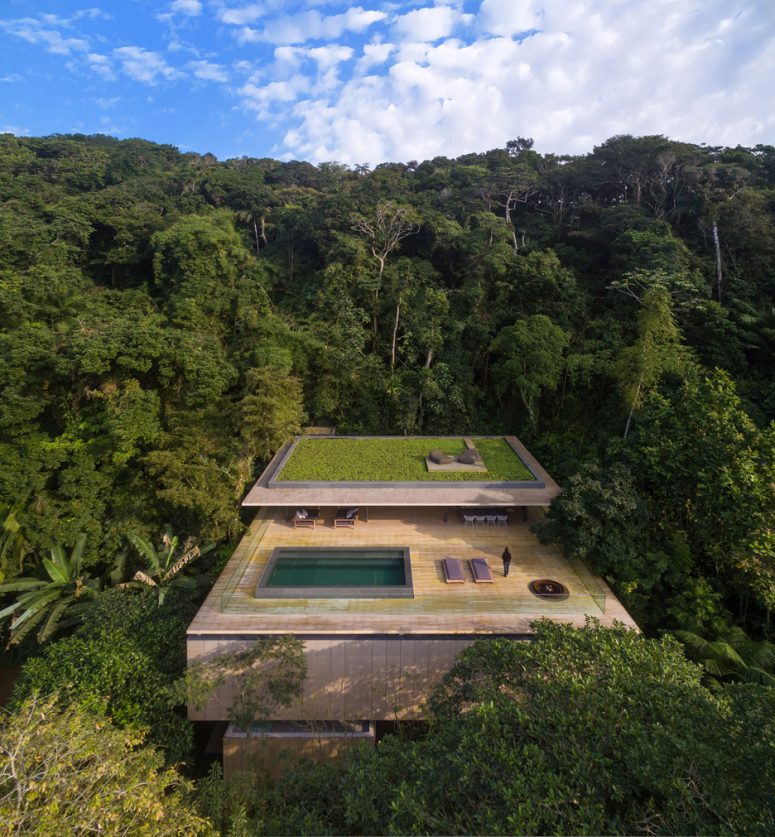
(168, 320)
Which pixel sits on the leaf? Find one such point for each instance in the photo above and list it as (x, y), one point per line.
(147, 551)
(51, 624)
(55, 571)
(76, 556)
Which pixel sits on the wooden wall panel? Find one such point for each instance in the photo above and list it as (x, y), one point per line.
(350, 678)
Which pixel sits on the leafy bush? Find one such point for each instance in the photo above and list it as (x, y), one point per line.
(122, 660)
(68, 771)
(592, 731)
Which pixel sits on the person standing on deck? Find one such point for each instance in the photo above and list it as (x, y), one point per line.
(506, 561)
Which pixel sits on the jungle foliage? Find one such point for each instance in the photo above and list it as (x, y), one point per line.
(590, 731)
(167, 321)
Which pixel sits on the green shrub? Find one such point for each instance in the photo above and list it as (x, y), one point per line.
(122, 660)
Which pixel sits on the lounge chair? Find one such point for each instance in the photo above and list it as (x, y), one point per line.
(453, 571)
(481, 570)
(345, 517)
(306, 518)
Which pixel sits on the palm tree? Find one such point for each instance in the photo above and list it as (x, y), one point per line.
(57, 601)
(738, 660)
(164, 564)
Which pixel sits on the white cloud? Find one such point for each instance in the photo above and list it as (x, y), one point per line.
(191, 8)
(698, 73)
(106, 104)
(510, 17)
(330, 55)
(207, 71)
(310, 25)
(259, 98)
(429, 24)
(144, 66)
(241, 16)
(37, 31)
(100, 64)
(373, 56)
(11, 78)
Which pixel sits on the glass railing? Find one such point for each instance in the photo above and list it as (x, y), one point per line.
(242, 557)
(589, 581)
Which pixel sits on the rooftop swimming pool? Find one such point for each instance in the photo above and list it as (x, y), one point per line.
(339, 572)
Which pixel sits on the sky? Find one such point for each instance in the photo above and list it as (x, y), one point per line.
(323, 80)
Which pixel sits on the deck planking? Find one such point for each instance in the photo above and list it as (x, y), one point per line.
(438, 608)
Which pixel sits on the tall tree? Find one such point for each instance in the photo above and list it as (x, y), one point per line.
(384, 231)
(68, 771)
(657, 350)
(529, 358)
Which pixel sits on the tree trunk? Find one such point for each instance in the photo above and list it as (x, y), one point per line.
(255, 233)
(374, 324)
(717, 245)
(395, 337)
(632, 408)
(507, 207)
(429, 359)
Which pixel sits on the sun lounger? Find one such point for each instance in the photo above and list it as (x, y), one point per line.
(453, 571)
(345, 517)
(481, 570)
(306, 518)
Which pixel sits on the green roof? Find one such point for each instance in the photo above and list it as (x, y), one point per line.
(397, 459)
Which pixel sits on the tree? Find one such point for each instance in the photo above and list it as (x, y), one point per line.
(590, 731)
(710, 472)
(122, 660)
(717, 184)
(581, 519)
(266, 676)
(272, 410)
(384, 232)
(55, 602)
(530, 359)
(13, 546)
(110, 672)
(68, 771)
(166, 562)
(734, 659)
(657, 350)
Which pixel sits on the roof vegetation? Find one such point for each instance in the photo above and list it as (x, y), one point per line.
(397, 460)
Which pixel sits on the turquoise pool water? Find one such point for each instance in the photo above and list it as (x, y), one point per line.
(337, 573)
(338, 568)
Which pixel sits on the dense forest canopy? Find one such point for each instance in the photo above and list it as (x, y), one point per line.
(169, 319)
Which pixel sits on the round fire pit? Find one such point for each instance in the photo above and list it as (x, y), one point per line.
(546, 588)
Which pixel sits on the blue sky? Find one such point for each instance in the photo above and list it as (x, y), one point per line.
(365, 83)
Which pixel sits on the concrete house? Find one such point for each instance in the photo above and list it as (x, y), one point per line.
(386, 562)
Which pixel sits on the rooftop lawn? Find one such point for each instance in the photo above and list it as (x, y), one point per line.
(396, 460)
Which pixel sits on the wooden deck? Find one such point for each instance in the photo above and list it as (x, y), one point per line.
(437, 609)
